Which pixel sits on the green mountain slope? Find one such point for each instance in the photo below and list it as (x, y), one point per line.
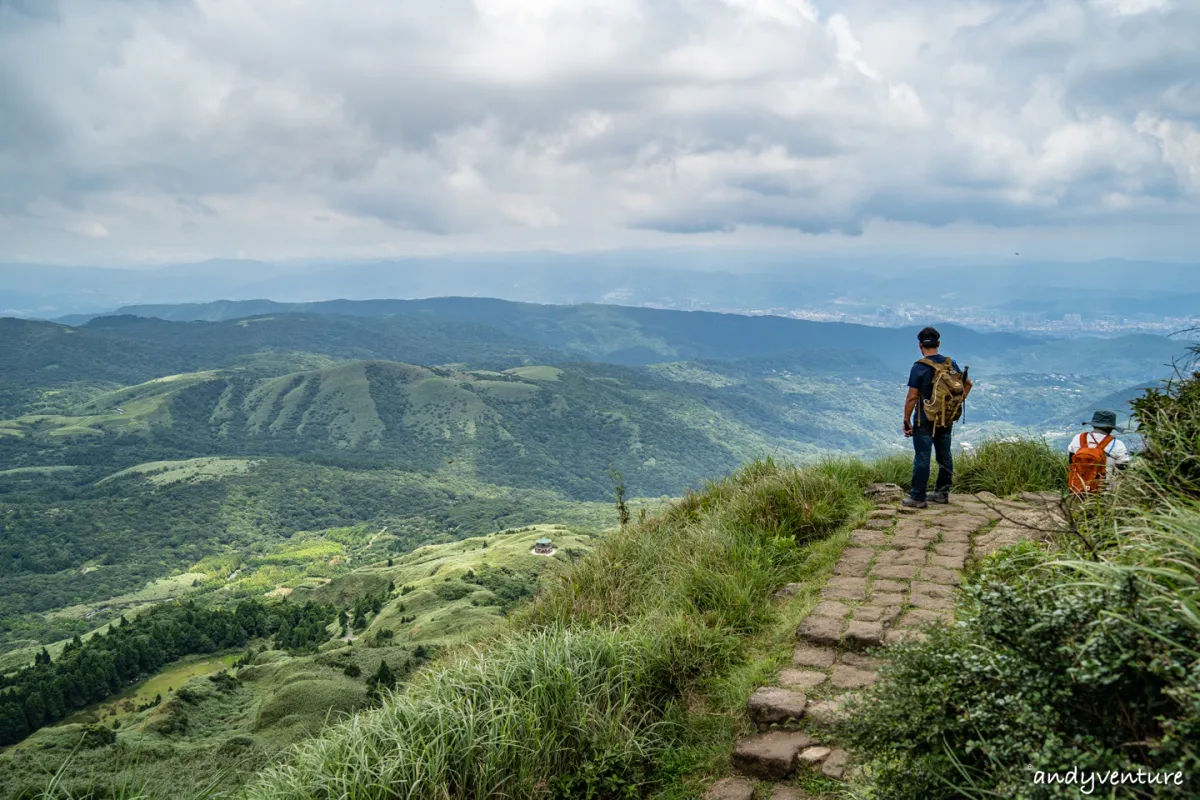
(49, 367)
(80, 546)
(559, 428)
(617, 334)
(204, 723)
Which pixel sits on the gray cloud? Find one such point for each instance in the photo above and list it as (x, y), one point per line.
(159, 130)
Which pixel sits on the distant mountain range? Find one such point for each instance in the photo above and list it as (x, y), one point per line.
(681, 279)
(617, 334)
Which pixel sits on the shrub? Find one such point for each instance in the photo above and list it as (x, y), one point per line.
(452, 590)
(1169, 422)
(1043, 673)
(799, 503)
(1010, 467)
(97, 736)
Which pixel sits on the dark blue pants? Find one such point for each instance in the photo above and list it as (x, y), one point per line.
(925, 441)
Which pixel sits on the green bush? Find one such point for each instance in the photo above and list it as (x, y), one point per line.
(452, 590)
(799, 503)
(1043, 673)
(1169, 422)
(1010, 467)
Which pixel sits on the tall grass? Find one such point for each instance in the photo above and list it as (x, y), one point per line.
(1011, 467)
(505, 721)
(582, 695)
(715, 555)
(1169, 421)
(1155, 552)
(1002, 467)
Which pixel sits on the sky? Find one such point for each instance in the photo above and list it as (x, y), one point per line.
(148, 131)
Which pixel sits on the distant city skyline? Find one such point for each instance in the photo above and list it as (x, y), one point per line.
(151, 133)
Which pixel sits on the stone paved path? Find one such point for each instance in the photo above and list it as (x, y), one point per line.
(897, 575)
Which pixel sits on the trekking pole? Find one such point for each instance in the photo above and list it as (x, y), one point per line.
(966, 372)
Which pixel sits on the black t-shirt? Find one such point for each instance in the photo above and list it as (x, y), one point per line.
(921, 377)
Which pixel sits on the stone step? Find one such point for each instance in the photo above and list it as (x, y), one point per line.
(884, 493)
(782, 791)
(835, 764)
(770, 756)
(771, 705)
(730, 789)
(801, 678)
(813, 756)
(820, 631)
(827, 712)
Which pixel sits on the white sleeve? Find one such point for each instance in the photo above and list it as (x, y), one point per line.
(1120, 453)
(1074, 445)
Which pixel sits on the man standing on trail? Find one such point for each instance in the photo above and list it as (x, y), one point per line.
(936, 391)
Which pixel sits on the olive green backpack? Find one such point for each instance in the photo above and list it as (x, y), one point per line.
(945, 404)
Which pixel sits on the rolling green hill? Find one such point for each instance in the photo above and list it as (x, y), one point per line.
(616, 334)
(50, 367)
(219, 716)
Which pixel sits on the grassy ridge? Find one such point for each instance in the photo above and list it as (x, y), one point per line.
(640, 656)
(681, 599)
(609, 660)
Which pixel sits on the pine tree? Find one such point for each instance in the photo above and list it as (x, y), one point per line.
(383, 676)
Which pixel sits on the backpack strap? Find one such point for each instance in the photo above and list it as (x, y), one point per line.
(1083, 440)
(935, 364)
(1105, 442)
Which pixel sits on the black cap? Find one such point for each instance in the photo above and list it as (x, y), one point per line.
(929, 337)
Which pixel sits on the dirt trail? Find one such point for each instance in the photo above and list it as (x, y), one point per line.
(898, 574)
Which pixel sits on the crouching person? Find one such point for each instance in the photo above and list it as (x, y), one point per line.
(1095, 456)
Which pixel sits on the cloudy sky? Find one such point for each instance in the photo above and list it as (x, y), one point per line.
(166, 130)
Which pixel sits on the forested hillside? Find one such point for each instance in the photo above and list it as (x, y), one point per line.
(49, 367)
(616, 334)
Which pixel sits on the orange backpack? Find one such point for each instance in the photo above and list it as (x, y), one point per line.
(1088, 466)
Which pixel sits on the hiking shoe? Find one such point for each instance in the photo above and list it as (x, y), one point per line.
(908, 502)
(939, 497)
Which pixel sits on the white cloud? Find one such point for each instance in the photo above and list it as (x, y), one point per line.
(293, 127)
(1133, 7)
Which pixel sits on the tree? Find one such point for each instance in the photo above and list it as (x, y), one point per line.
(35, 710)
(619, 496)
